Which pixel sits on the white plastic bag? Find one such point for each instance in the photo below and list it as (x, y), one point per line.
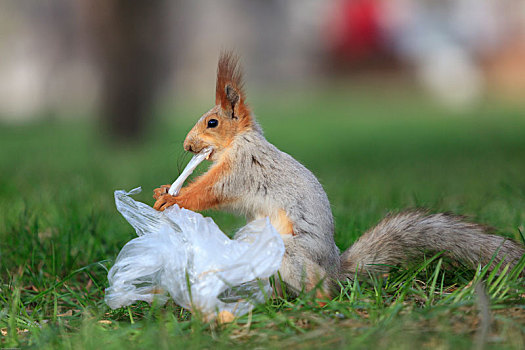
(184, 255)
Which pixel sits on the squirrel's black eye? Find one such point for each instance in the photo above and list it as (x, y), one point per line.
(212, 123)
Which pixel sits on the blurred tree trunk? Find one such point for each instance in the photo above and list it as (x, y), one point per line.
(129, 41)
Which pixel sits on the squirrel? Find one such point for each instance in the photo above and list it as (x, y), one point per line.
(251, 177)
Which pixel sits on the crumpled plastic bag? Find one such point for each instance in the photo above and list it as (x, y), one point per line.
(185, 256)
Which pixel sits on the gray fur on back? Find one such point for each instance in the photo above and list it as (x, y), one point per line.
(265, 179)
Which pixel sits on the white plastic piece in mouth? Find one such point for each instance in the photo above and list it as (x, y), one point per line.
(193, 163)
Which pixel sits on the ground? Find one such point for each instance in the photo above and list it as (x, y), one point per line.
(374, 151)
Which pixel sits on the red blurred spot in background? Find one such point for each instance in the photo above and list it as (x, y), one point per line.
(354, 30)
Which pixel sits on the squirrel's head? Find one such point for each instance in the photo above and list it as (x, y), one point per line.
(229, 117)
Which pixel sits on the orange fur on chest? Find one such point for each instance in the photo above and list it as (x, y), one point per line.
(199, 195)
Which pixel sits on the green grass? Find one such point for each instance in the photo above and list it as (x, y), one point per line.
(373, 151)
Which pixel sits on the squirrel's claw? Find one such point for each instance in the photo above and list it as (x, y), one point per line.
(162, 190)
(164, 201)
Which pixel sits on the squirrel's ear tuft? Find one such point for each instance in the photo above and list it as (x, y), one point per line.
(229, 92)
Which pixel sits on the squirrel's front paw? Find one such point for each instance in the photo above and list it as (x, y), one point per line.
(164, 201)
(162, 190)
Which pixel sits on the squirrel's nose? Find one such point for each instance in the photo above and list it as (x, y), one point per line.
(187, 146)
(191, 147)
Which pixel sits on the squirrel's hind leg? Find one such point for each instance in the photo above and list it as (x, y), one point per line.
(300, 273)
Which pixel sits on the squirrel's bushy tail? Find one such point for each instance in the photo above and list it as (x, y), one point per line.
(405, 237)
